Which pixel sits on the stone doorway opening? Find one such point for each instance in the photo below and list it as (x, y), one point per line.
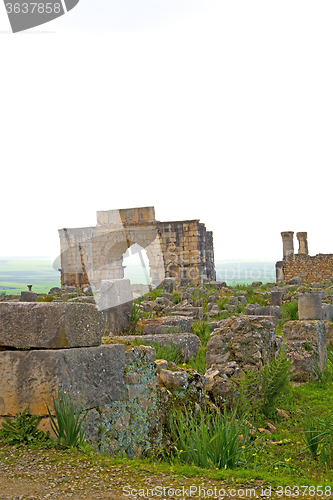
(136, 265)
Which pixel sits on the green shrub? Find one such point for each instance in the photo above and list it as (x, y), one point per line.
(47, 298)
(275, 380)
(22, 430)
(157, 292)
(318, 436)
(246, 392)
(67, 425)
(176, 298)
(258, 391)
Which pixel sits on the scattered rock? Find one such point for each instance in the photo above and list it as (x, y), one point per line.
(282, 413)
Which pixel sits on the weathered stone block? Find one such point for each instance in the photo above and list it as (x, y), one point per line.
(309, 306)
(28, 296)
(187, 343)
(306, 343)
(195, 312)
(173, 380)
(167, 323)
(50, 325)
(247, 340)
(276, 298)
(114, 293)
(93, 376)
(327, 312)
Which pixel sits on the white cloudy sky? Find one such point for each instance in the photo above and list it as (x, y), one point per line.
(212, 110)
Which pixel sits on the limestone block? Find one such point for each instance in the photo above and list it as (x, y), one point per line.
(28, 297)
(274, 311)
(168, 284)
(248, 340)
(309, 306)
(327, 312)
(50, 325)
(195, 312)
(173, 380)
(307, 347)
(93, 376)
(329, 333)
(276, 298)
(113, 293)
(187, 343)
(167, 323)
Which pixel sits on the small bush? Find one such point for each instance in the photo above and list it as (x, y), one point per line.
(47, 298)
(176, 298)
(23, 430)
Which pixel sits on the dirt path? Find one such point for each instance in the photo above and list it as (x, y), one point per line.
(46, 474)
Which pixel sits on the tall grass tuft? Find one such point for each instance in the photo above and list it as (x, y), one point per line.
(168, 351)
(290, 311)
(202, 329)
(199, 362)
(67, 425)
(209, 440)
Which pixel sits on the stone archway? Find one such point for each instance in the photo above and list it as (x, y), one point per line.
(116, 245)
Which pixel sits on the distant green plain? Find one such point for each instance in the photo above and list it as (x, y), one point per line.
(18, 272)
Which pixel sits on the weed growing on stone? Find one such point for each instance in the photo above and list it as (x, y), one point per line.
(135, 314)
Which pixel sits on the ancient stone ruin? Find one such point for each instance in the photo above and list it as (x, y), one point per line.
(307, 268)
(179, 249)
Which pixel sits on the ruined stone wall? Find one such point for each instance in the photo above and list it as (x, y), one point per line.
(188, 251)
(181, 249)
(309, 268)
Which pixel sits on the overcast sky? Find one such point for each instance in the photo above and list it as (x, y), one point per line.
(212, 110)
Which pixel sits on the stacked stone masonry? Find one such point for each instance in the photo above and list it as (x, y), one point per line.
(117, 384)
(309, 268)
(181, 249)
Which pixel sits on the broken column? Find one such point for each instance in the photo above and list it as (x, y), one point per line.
(306, 339)
(302, 243)
(306, 347)
(288, 243)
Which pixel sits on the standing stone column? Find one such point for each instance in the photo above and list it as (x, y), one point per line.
(288, 243)
(302, 243)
